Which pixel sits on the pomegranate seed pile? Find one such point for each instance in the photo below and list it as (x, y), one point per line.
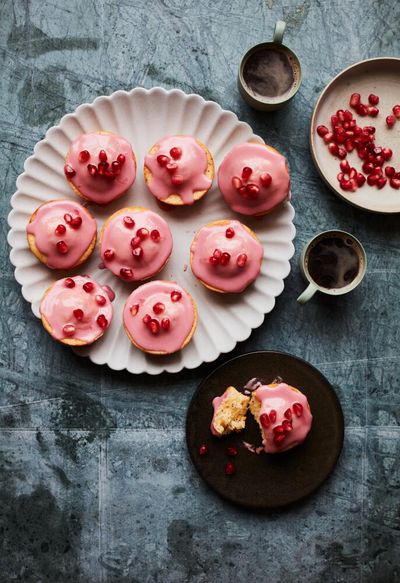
(346, 135)
(154, 325)
(60, 230)
(281, 431)
(223, 257)
(88, 287)
(170, 166)
(249, 189)
(103, 169)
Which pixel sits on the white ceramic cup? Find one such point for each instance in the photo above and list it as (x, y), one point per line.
(313, 286)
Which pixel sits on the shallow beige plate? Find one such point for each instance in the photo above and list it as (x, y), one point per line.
(380, 76)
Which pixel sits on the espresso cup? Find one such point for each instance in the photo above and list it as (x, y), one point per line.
(269, 73)
(334, 263)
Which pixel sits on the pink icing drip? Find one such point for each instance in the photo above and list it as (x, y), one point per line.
(47, 218)
(181, 315)
(117, 236)
(60, 301)
(260, 159)
(280, 399)
(97, 188)
(216, 403)
(229, 278)
(191, 166)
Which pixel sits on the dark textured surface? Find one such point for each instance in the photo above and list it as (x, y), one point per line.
(96, 485)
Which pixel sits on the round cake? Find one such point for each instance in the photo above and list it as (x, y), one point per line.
(179, 170)
(226, 256)
(76, 310)
(160, 317)
(61, 234)
(135, 243)
(253, 179)
(100, 166)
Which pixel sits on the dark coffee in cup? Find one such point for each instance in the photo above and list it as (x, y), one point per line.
(333, 262)
(270, 73)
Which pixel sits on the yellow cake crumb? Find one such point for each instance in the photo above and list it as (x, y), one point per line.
(231, 413)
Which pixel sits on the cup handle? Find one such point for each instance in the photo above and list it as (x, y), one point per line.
(307, 294)
(279, 31)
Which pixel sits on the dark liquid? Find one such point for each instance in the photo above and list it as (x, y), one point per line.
(333, 262)
(269, 73)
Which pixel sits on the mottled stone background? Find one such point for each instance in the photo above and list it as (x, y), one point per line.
(95, 482)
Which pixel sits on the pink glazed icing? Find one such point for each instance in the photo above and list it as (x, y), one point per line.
(262, 197)
(242, 247)
(57, 215)
(63, 303)
(289, 408)
(159, 301)
(104, 188)
(135, 244)
(190, 166)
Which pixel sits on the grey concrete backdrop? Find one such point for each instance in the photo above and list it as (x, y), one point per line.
(95, 483)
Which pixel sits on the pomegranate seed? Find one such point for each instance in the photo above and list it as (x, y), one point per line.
(115, 167)
(84, 155)
(360, 179)
(88, 287)
(243, 191)
(379, 160)
(92, 169)
(142, 233)
(266, 179)
(264, 420)
(395, 183)
(346, 125)
(246, 172)
(154, 326)
(103, 156)
(328, 138)
(272, 416)
(346, 185)
(229, 233)
(334, 120)
(381, 182)
(69, 330)
(108, 254)
(373, 99)
(177, 179)
(231, 450)
(396, 111)
(362, 110)
(342, 153)
(176, 153)
(241, 260)
(345, 166)
(397, 175)
(121, 159)
(230, 469)
(69, 282)
(378, 150)
(390, 121)
(349, 134)
(349, 145)
(353, 173)
(176, 296)
(377, 170)
(78, 313)
(102, 168)
(362, 153)
(225, 258)
(390, 171)
(67, 218)
(146, 319)
(372, 111)
(348, 116)
(129, 222)
(372, 179)
(155, 235)
(203, 449)
(288, 414)
(287, 425)
(213, 260)
(137, 252)
(158, 308)
(126, 273)
(102, 321)
(297, 409)
(387, 153)
(62, 247)
(340, 177)
(236, 182)
(278, 429)
(340, 114)
(163, 160)
(134, 310)
(333, 149)
(279, 439)
(253, 190)
(60, 230)
(368, 167)
(109, 174)
(76, 222)
(135, 241)
(165, 323)
(322, 131)
(217, 253)
(100, 300)
(69, 171)
(171, 167)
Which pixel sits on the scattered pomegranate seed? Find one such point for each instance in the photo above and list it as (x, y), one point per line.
(103, 156)
(217, 253)
(177, 179)
(92, 169)
(381, 182)
(253, 190)
(287, 425)
(345, 166)
(236, 182)
(390, 121)
(155, 235)
(102, 321)
(67, 218)
(176, 153)
(84, 155)
(272, 415)
(171, 168)
(372, 179)
(347, 115)
(362, 110)
(230, 469)
(100, 300)
(146, 319)
(279, 438)
(340, 176)
(373, 99)
(135, 241)
(372, 111)
(225, 258)
(76, 222)
(69, 171)
(62, 247)
(213, 260)
(387, 153)
(116, 167)
(129, 222)
(266, 179)
(60, 230)
(158, 308)
(229, 233)
(333, 149)
(154, 326)
(264, 420)
(126, 273)
(134, 310)
(243, 191)
(88, 287)
(69, 282)
(142, 233)
(137, 252)
(165, 324)
(396, 111)
(297, 409)
(395, 183)
(246, 172)
(241, 260)
(368, 167)
(78, 313)
(288, 414)
(203, 449)
(322, 131)
(342, 153)
(328, 138)
(176, 296)
(108, 254)
(360, 179)
(231, 450)
(163, 160)
(121, 159)
(390, 171)
(69, 330)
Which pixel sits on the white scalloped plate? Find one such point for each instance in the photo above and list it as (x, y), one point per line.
(142, 117)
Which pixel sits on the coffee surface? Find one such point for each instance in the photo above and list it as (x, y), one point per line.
(269, 73)
(333, 262)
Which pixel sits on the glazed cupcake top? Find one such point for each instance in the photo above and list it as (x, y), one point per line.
(285, 416)
(100, 166)
(159, 316)
(253, 179)
(63, 231)
(135, 243)
(226, 256)
(177, 166)
(76, 308)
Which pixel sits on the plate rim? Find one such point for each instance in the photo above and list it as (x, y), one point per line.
(269, 508)
(332, 187)
(163, 368)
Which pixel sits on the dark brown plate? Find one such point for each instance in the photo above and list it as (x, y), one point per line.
(266, 481)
